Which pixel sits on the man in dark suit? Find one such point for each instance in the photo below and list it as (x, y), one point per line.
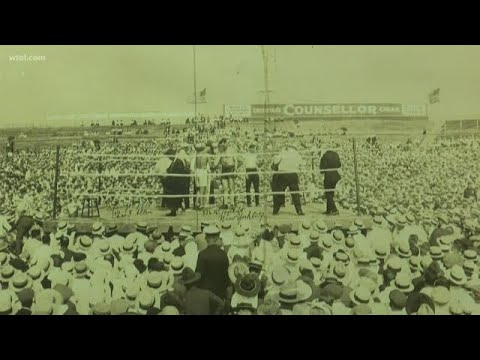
(199, 301)
(175, 185)
(329, 166)
(212, 264)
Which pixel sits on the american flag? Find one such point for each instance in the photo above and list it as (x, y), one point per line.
(434, 96)
(201, 97)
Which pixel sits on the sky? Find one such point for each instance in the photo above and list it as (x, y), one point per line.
(91, 79)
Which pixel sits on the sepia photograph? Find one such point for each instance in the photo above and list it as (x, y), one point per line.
(239, 180)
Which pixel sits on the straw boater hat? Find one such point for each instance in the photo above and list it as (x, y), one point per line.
(469, 267)
(314, 236)
(81, 270)
(182, 235)
(103, 247)
(36, 273)
(306, 225)
(111, 230)
(342, 257)
(403, 250)
(457, 275)
(292, 257)
(326, 243)
(445, 243)
(402, 282)
(414, 263)
(436, 252)
(240, 240)
(177, 265)
(316, 263)
(361, 256)
(20, 281)
(61, 229)
(165, 247)
(353, 230)
(9, 305)
(6, 273)
(359, 224)
(71, 228)
(84, 243)
(98, 228)
(167, 259)
(226, 226)
(280, 275)
(248, 285)
(131, 293)
(361, 295)
(338, 273)
(128, 246)
(294, 292)
(321, 227)
(338, 237)
(294, 241)
(186, 228)
(237, 268)
(470, 255)
(213, 230)
(159, 281)
(145, 301)
(141, 226)
(382, 251)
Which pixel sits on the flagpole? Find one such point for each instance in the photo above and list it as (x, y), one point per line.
(195, 81)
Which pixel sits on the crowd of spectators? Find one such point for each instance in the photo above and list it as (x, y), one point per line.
(420, 256)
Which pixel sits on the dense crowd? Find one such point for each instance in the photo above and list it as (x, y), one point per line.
(403, 265)
(420, 257)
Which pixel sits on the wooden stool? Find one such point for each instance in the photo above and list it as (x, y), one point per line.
(91, 204)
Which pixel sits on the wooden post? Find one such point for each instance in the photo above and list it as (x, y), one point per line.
(357, 187)
(55, 191)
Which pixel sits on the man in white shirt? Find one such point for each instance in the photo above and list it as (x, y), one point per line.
(252, 178)
(287, 163)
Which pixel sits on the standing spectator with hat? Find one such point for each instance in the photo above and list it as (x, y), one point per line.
(212, 265)
(330, 168)
(175, 185)
(287, 163)
(199, 301)
(252, 177)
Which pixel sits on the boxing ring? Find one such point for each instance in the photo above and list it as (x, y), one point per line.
(125, 196)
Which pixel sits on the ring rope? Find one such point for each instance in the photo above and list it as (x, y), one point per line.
(103, 175)
(161, 156)
(100, 194)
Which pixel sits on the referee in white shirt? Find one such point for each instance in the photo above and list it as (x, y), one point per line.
(252, 178)
(287, 163)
